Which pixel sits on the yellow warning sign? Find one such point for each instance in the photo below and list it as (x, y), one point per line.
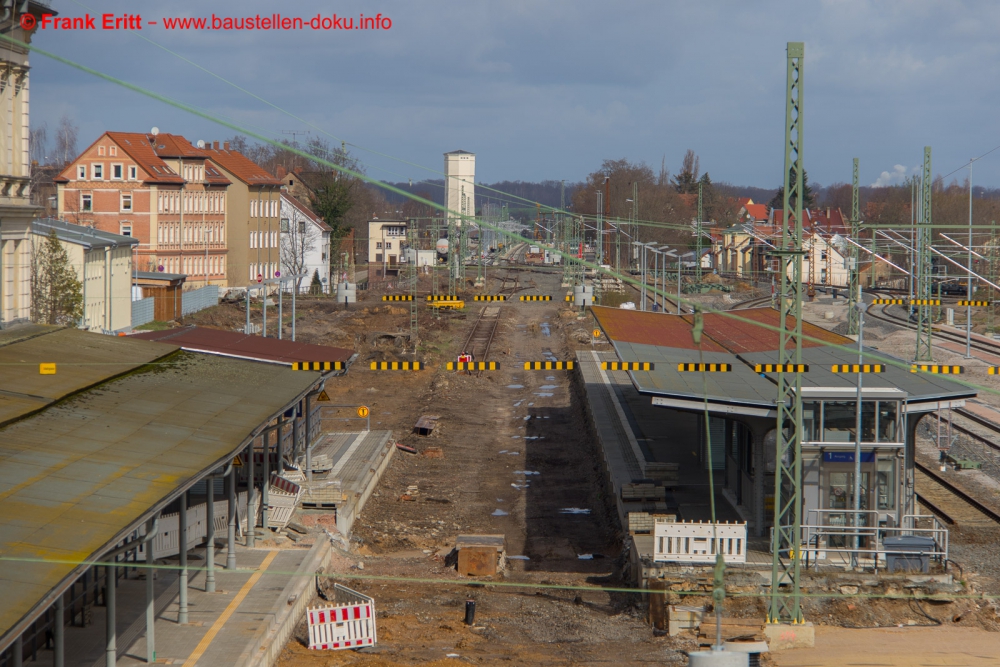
(46, 369)
(238, 462)
(597, 333)
(363, 411)
(323, 396)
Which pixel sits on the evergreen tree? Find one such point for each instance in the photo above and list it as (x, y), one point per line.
(686, 181)
(56, 293)
(316, 286)
(808, 199)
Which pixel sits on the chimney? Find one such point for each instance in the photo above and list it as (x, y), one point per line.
(215, 145)
(281, 171)
(298, 170)
(225, 145)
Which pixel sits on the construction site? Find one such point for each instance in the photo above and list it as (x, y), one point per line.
(502, 441)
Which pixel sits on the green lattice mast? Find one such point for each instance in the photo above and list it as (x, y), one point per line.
(854, 260)
(785, 601)
(924, 335)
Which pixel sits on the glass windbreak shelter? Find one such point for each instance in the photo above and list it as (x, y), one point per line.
(830, 432)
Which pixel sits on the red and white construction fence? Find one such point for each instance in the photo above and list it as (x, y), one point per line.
(348, 624)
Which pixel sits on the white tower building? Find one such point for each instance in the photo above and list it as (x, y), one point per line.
(460, 184)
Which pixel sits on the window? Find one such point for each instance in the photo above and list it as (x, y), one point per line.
(116, 171)
(100, 150)
(133, 173)
(302, 227)
(98, 170)
(113, 151)
(81, 172)
(284, 224)
(378, 245)
(126, 201)
(126, 229)
(86, 202)
(388, 245)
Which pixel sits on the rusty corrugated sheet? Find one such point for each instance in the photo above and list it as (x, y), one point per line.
(633, 326)
(231, 343)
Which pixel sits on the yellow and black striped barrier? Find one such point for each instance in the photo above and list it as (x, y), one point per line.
(489, 297)
(974, 304)
(937, 368)
(442, 297)
(704, 368)
(568, 297)
(472, 366)
(781, 368)
(536, 297)
(627, 365)
(397, 297)
(548, 365)
(858, 368)
(396, 366)
(317, 365)
(889, 302)
(925, 302)
(993, 370)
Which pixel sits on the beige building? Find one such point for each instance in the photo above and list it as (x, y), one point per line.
(103, 264)
(386, 239)
(16, 210)
(253, 204)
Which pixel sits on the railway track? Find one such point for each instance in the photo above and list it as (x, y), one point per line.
(883, 314)
(950, 503)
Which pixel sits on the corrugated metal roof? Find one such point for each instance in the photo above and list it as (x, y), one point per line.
(79, 476)
(234, 344)
(82, 360)
(87, 237)
(666, 341)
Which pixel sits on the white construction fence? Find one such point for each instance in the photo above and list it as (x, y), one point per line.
(698, 542)
(348, 624)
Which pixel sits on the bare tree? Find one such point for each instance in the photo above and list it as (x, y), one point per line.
(297, 242)
(38, 144)
(65, 148)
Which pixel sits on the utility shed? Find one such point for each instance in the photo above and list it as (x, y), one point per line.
(78, 476)
(167, 290)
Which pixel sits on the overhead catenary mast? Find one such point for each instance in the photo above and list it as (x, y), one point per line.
(853, 261)
(924, 335)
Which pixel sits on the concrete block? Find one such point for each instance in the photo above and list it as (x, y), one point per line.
(781, 636)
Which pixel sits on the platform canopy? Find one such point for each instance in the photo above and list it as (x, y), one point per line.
(667, 341)
(102, 451)
(244, 346)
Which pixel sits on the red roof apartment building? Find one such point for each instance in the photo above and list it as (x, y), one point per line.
(208, 213)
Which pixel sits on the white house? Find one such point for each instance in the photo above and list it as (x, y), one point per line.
(305, 243)
(103, 263)
(386, 243)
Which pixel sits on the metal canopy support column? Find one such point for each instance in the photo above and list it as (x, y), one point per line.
(111, 649)
(251, 499)
(151, 528)
(210, 534)
(414, 243)
(785, 601)
(697, 233)
(182, 544)
(853, 260)
(924, 335)
(231, 528)
(59, 633)
(265, 478)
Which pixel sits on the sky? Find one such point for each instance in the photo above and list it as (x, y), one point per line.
(548, 90)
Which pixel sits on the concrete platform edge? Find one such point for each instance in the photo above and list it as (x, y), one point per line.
(271, 638)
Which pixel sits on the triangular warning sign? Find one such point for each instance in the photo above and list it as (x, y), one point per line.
(238, 462)
(323, 396)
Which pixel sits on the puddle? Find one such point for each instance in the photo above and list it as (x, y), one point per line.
(580, 557)
(520, 486)
(514, 453)
(550, 378)
(519, 403)
(544, 394)
(525, 419)
(533, 437)
(527, 472)
(516, 437)
(499, 500)
(503, 451)
(496, 512)
(515, 386)
(530, 404)
(548, 386)
(573, 510)
(518, 558)
(545, 328)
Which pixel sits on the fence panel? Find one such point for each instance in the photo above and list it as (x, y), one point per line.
(348, 624)
(698, 542)
(199, 299)
(142, 311)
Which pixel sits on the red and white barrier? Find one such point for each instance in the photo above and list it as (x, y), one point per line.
(343, 626)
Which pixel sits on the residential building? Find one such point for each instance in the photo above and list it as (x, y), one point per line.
(305, 243)
(159, 189)
(386, 242)
(253, 205)
(460, 185)
(103, 264)
(16, 209)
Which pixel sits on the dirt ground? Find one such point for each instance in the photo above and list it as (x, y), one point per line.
(516, 458)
